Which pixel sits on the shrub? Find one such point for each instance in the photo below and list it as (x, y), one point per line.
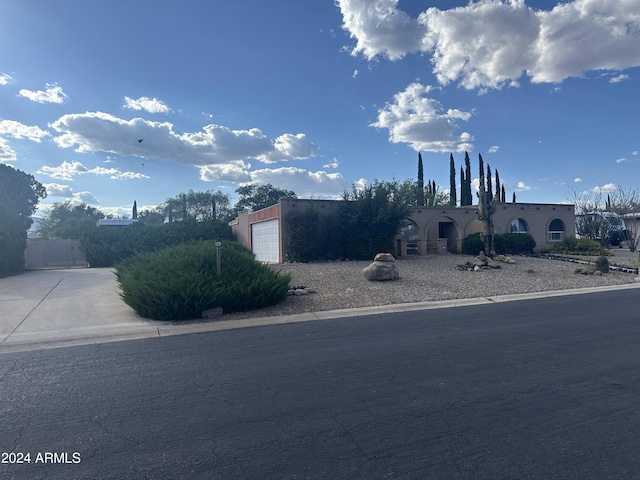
(579, 246)
(472, 244)
(180, 282)
(105, 246)
(514, 243)
(506, 244)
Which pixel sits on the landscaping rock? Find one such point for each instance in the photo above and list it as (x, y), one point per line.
(602, 264)
(384, 257)
(378, 271)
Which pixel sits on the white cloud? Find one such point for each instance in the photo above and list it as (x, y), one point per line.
(380, 28)
(421, 122)
(619, 78)
(334, 163)
(577, 180)
(151, 105)
(65, 191)
(290, 147)
(306, 184)
(609, 187)
(213, 145)
(7, 154)
(355, 73)
(522, 187)
(18, 130)
(621, 160)
(635, 152)
(68, 170)
(4, 79)
(236, 172)
(494, 148)
(493, 43)
(52, 94)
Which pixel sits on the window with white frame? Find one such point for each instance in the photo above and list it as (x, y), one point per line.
(556, 230)
(518, 226)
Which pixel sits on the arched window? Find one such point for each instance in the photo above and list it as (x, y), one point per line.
(518, 226)
(556, 230)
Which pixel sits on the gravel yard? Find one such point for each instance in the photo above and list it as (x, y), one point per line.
(340, 285)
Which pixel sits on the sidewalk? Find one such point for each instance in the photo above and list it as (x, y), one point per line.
(56, 308)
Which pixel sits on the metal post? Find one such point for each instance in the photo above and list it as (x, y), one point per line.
(218, 244)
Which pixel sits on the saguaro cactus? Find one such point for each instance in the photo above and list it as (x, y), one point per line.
(486, 209)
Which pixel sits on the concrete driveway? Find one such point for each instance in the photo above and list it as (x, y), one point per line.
(44, 306)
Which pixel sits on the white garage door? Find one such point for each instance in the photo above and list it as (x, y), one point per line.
(264, 241)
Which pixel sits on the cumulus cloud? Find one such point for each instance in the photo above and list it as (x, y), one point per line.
(236, 172)
(493, 43)
(4, 79)
(7, 154)
(305, 183)
(52, 94)
(420, 121)
(494, 148)
(609, 187)
(151, 105)
(522, 187)
(65, 191)
(621, 160)
(577, 180)
(18, 130)
(213, 145)
(68, 170)
(619, 78)
(334, 163)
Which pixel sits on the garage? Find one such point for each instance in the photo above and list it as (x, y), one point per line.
(264, 241)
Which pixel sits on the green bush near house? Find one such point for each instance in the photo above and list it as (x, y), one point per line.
(579, 246)
(180, 282)
(506, 244)
(105, 246)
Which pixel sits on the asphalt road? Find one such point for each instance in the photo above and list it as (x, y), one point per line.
(544, 389)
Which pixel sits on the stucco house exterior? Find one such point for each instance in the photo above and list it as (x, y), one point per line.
(429, 230)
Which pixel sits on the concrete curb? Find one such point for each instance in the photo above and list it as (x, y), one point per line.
(19, 342)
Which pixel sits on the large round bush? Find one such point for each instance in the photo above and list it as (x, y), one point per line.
(179, 283)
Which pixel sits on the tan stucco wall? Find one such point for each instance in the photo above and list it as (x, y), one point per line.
(427, 221)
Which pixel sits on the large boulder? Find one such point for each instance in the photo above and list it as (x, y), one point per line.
(384, 257)
(378, 271)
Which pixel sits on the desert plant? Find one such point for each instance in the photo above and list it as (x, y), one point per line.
(180, 282)
(579, 246)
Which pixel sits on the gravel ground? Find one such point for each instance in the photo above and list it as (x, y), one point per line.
(340, 285)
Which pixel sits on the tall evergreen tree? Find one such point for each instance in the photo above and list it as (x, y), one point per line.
(504, 195)
(135, 211)
(514, 197)
(467, 179)
(489, 185)
(498, 186)
(420, 193)
(463, 191)
(453, 197)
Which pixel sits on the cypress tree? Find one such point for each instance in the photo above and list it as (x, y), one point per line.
(463, 196)
(453, 197)
(420, 199)
(467, 179)
(504, 195)
(514, 197)
(500, 199)
(489, 185)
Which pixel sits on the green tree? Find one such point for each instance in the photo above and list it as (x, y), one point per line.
(467, 180)
(489, 185)
(453, 197)
(369, 220)
(500, 199)
(420, 186)
(19, 196)
(65, 220)
(256, 197)
(197, 206)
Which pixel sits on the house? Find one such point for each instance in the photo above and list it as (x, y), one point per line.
(429, 230)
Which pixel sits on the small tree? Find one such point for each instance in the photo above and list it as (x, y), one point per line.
(19, 196)
(453, 197)
(256, 197)
(420, 186)
(64, 220)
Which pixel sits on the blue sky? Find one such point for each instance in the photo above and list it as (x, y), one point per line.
(315, 96)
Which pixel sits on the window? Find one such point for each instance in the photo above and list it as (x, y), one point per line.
(409, 234)
(518, 226)
(556, 230)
